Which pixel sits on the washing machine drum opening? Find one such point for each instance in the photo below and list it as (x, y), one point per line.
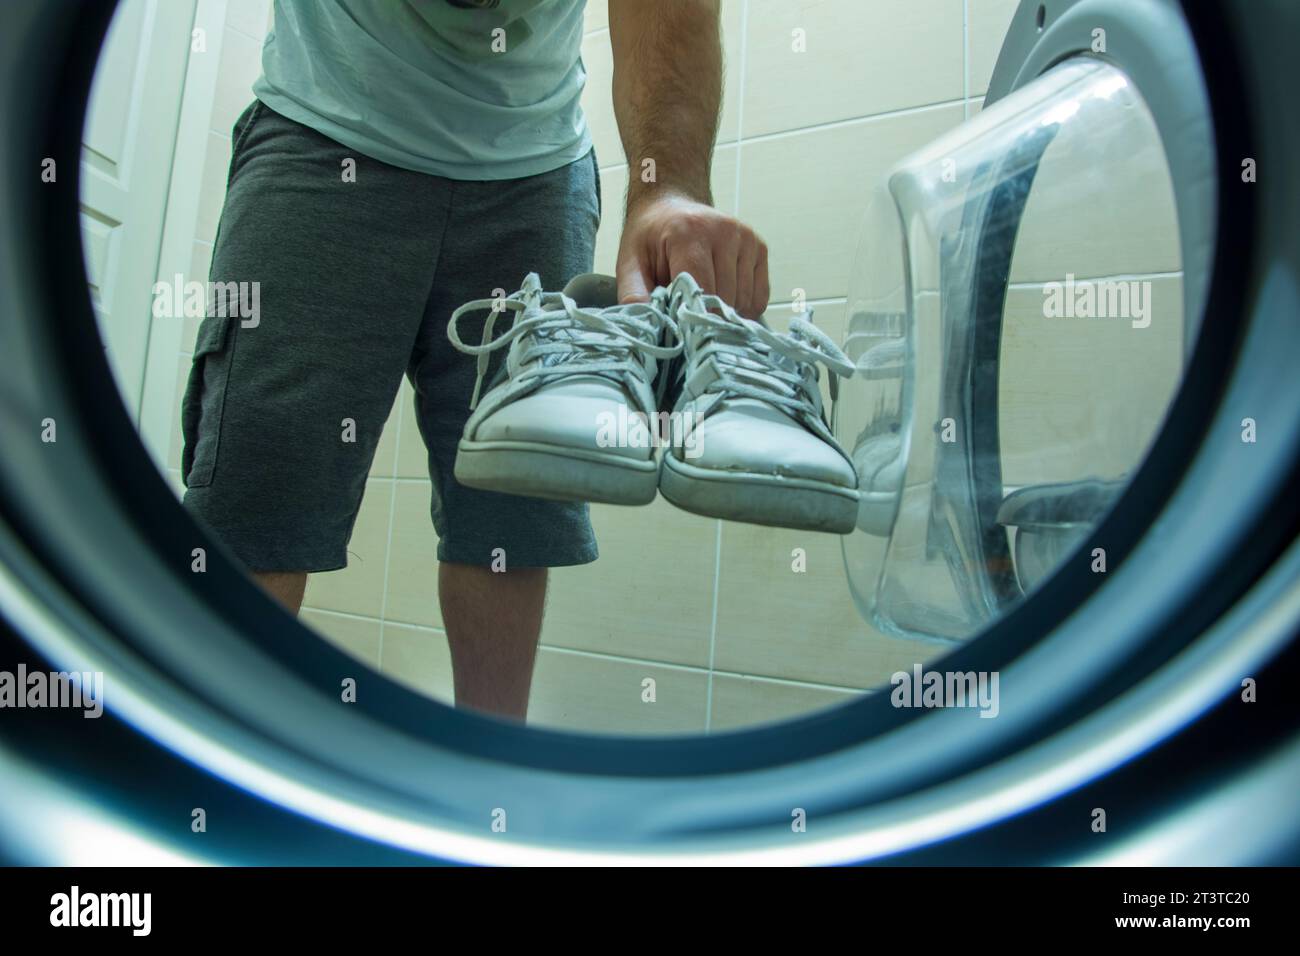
(986, 419)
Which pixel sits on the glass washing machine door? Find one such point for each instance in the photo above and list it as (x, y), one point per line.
(1018, 317)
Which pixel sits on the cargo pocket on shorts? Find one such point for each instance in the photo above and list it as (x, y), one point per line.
(205, 400)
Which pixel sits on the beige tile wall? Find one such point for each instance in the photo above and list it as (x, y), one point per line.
(711, 615)
(1085, 391)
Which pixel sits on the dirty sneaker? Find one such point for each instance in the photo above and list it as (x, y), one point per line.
(570, 414)
(759, 449)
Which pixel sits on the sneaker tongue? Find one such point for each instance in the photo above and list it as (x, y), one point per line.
(556, 359)
(564, 358)
(584, 343)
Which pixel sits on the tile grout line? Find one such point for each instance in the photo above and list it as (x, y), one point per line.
(620, 658)
(392, 511)
(740, 103)
(853, 120)
(624, 659)
(965, 57)
(353, 616)
(691, 668)
(825, 300)
(245, 34)
(819, 127)
(1037, 284)
(735, 207)
(350, 615)
(713, 629)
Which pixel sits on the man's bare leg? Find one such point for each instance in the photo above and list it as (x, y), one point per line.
(493, 621)
(287, 587)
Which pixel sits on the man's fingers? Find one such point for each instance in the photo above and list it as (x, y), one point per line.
(746, 263)
(633, 284)
(695, 259)
(726, 259)
(762, 283)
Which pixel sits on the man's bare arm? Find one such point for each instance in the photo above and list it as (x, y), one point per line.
(667, 96)
(667, 92)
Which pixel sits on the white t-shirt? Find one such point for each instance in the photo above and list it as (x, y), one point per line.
(466, 89)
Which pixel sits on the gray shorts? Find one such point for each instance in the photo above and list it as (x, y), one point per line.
(356, 282)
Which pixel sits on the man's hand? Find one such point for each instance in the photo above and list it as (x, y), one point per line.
(667, 94)
(667, 233)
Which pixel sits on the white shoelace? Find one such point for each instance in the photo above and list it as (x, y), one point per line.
(565, 338)
(751, 360)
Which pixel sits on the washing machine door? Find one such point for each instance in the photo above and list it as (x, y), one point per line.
(1024, 295)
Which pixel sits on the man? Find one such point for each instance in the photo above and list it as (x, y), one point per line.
(403, 157)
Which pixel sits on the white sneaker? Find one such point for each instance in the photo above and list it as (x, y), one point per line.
(568, 415)
(760, 450)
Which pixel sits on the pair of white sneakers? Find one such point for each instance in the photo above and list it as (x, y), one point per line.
(574, 413)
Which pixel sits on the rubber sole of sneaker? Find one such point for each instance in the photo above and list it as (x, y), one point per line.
(559, 474)
(759, 499)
